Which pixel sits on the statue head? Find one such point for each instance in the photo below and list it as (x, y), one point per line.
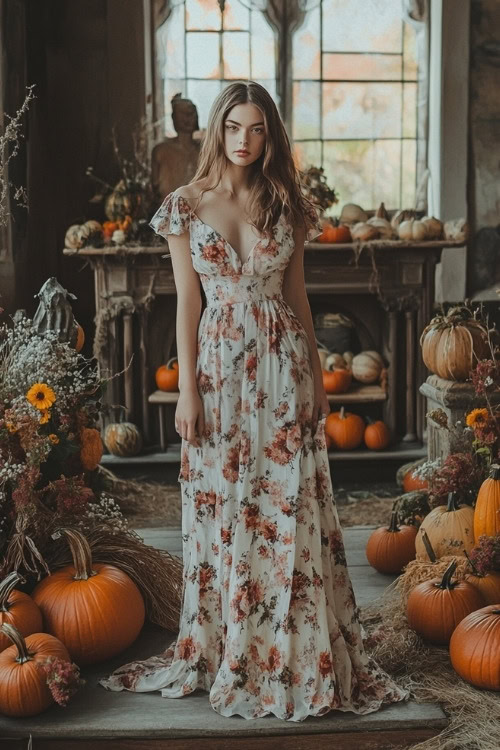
(184, 114)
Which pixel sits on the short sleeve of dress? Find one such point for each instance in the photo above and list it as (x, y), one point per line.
(317, 227)
(172, 217)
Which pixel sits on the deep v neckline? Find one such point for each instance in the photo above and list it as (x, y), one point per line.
(241, 262)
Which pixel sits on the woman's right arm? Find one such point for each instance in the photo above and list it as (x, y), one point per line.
(189, 418)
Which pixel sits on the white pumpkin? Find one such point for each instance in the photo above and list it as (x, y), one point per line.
(364, 231)
(335, 360)
(366, 367)
(352, 213)
(434, 227)
(383, 227)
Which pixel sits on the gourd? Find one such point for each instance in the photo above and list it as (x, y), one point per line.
(337, 380)
(390, 548)
(334, 231)
(17, 609)
(167, 378)
(487, 512)
(364, 232)
(435, 607)
(402, 215)
(123, 439)
(334, 360)
(434, 227)
(413, 229)
(488, 585)
(367, 366)
(456, 230)
(96, 610)
(90, 448)
(475, 648)
(452, 344)
(383, 227)
(80, 338)
(79, 235)
(122, 202)
(345, 428)
(406, 478)
(377, 435)
(23, 687)
(449, 528)
(352, 213)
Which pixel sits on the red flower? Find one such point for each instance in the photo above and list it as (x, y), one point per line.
(325, 664)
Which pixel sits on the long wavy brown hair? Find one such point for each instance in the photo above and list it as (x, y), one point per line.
(275, 180)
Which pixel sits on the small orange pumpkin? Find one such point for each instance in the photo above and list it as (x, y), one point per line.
(345, 428)
(487, 511)
(390, 548)
(167, 377)
(337, 380)
(377, 435)
(18, 609)
(335, 232)
(475, 648)
(91, 448)
(410, 482)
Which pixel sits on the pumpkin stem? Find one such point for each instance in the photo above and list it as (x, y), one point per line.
(341, 412)
(495, 471)
(446, 582)
(428, 547)
(6, 587)
(474, 569)
(17, 639)
(172, 359)
(81, 553)
(452, 502)
(393, 526)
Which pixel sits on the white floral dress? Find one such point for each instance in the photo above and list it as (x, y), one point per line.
(269, 622)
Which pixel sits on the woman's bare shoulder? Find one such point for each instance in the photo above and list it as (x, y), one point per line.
(191, 191)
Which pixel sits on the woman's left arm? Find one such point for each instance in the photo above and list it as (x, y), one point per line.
(295, 295)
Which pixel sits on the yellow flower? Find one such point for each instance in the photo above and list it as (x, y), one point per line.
(11, 426)
(53, 439)
(45, 416)
(41, 396)
(477, 418)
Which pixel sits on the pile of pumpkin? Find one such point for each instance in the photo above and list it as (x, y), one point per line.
(406, 224)
(462, 614)
(94, 234)
(85, 613)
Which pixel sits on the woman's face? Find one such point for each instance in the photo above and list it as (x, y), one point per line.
(244, 134)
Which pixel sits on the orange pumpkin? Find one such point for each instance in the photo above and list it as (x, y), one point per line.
(487, 512)
(23, 687)
(435, 607)
(167, 377)
(17, 609)
(337, 381)
(334, 231)
(377, 435)
(91, 448)
(345, 428)
(80, 338)
(475, 648)
(488, 584)
(410, 482)
(96, 610)
(390, 548)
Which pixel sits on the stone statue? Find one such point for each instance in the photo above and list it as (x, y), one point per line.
(174, 160)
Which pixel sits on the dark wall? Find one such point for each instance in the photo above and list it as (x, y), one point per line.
(87, 61)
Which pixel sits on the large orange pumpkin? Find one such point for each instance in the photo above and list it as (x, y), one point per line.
(475, 648)
(96, 610)
(334, 231)
(488, 584)
(390, 548)
(167, 377)
(487, 512)
(337, 381)
(435, 607)
(345, 428)
(18, 609)
(453, 343)
(23, 686)
(91, 448)
(377, 435)
(449, 528)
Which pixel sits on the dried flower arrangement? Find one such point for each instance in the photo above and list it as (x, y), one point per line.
(10, 143)
(316, 189)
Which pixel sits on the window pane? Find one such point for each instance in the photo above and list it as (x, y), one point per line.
(410, 53)
(236, 54)
(170, 45)
(307, 154)
(236, 16)
(361, 110)
(374, 27)
(203, 93)
(364, 172)
(306, 104)
(305, 47)
(263, 45)
(202, 55)
(410, 110)
(361, 67)
(203, 15)
(409, 174)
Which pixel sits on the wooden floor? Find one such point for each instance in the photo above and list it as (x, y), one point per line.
(98, 719)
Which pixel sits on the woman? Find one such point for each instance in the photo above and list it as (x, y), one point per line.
(269, 623)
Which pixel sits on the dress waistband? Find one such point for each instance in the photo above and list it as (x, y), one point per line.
(246, 300)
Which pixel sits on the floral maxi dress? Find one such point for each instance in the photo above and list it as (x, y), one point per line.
(269, 622)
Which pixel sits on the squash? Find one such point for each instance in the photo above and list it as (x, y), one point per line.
(390, 549)
(122, 202)
(449, 528)
(487, 512)
(352, 213)
(453, 343)
(334, 360)
(488, 585)
(367, 367)
(96, 610)
(334, 231)
(91, 448)
(80, 338)
(122, 439)
(23, 684)
(345, 428)
(17, 609)
(377, 435)
(475, 648)
(364, 232)
(337, 381)
(167, 378)
(435, 607)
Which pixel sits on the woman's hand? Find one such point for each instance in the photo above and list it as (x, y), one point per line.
(321, 406)
(189, 416)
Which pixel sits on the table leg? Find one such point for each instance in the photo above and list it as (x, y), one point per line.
(163, 442)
